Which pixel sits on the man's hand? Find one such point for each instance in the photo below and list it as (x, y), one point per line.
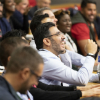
(84, 88)
(91, 92)
(91, 47)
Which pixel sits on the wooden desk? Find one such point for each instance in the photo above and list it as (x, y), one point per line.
(91, 83)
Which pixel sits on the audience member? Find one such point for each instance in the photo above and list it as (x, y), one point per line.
(50, 45)
(64, 25)
(21, 73)
(48, 11)
(46, 91)
(4, 25)
(20, 15)
(81, 24)
(14, 33)
(40, 4)
(9, 9)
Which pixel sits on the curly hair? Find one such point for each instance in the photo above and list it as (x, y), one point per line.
(36, 21)
(42, 32)
(58, 14)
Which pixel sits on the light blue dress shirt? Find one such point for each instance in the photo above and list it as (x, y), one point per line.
(58, 70)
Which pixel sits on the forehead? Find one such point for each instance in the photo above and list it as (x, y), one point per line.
(65, 16)
(25, 1)
(91, 5)
(53, 30)
(46, 20)
(49, 12)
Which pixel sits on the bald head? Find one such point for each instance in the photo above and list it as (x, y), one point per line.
(43, 3)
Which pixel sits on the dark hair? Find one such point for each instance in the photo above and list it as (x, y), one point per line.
(91, 98)
(58, 14)
(85, 2)
(2, 1)
(13, 33)
(42, 32)
(36, 21)
(7, 46)
(40, 11)
(24, 57)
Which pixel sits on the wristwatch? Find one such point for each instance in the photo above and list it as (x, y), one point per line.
(92, 55)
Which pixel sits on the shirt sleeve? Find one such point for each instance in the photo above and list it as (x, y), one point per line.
(54, 87)
(80, 31)
(40, 94)
(94, 78)
(76, 58)
(54, 69)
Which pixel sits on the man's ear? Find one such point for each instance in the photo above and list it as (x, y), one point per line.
(9, 58)
(46, 41)
(25, 73)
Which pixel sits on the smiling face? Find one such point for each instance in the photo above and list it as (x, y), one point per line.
(57, 43)
(9, 5)
(89, 12)
(64, 24)
(21, 7)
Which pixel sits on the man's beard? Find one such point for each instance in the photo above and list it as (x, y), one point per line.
(56, 47)
(24, 87)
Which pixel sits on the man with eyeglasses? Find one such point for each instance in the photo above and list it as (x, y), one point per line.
(50, 43)
(20, 73)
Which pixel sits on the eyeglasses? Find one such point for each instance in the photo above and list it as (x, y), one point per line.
(57, 34)
(38, 77)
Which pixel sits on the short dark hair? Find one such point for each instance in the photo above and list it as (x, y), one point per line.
(40, 11)
(42, 32)
(7, 46)
(13, 33)
(24, 57)
(85, 2)
(36, 21)
(2, 1)
(58, 14)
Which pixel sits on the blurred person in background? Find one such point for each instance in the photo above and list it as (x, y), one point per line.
(4, 25)
(81, 25)
(9, 9)
(40, 4)
(64, 25)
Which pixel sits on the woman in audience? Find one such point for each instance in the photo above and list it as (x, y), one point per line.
(21, 12)
(9, 9)
(64, 25)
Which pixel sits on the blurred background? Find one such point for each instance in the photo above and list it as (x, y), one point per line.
(65, 4)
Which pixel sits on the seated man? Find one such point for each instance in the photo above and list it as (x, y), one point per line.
(50, 43)
(47, 91)
(39, 19)
(20, 73)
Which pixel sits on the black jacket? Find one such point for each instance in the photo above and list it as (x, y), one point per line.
(6, 91)
(53, 92)
(32, 11)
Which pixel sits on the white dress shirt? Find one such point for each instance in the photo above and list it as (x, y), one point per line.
(57, 71)
(24, 96)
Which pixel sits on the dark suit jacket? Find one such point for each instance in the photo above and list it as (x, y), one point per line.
(53, 92)
(32, 11)
(6, 91)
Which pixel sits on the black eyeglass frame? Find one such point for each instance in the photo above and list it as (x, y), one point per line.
(38, 77)
(58, 33)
